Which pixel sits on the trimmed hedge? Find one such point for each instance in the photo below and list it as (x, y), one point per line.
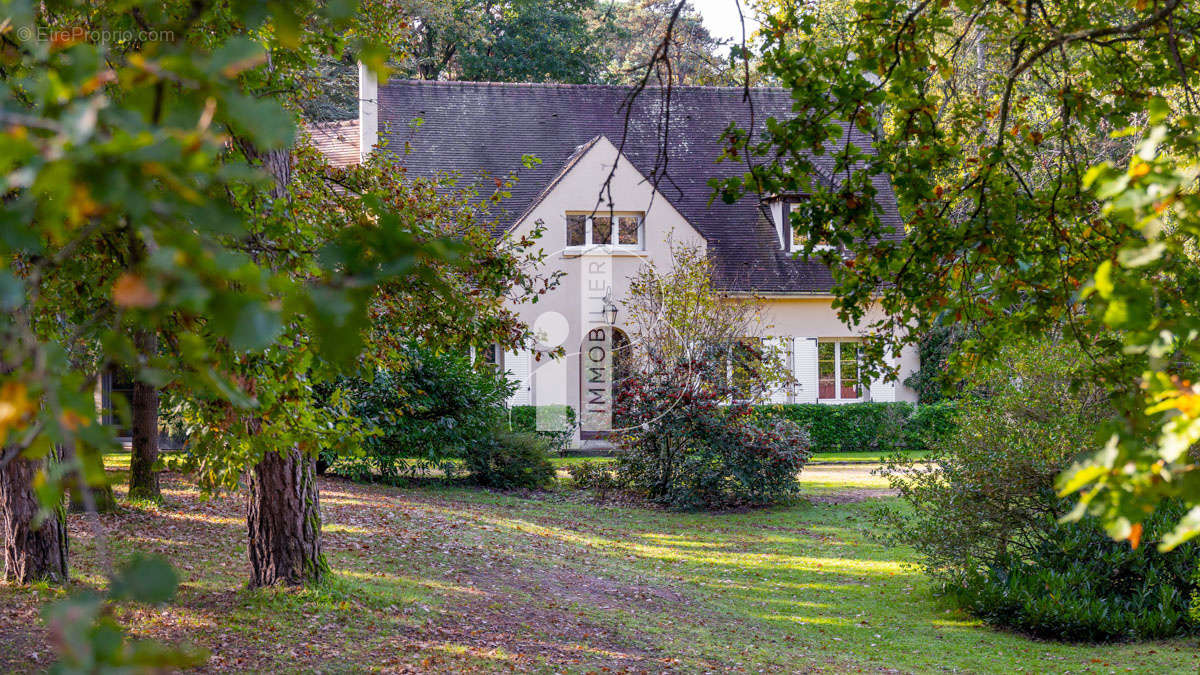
(523, 418)
(852, 427)
(868, 427)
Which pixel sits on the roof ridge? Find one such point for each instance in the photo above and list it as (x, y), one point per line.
(566, 85)
(325, 124)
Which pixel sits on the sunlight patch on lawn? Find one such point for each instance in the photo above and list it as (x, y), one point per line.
(200, 517)
(668, 549)
(810, 620)
(330, 528)
(956, 623)
(412, 582)
(676, 540)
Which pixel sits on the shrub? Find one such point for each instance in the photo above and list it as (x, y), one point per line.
(425, 416)
(598, 476)
(562, 422)
(985, 515)
(685, 450)
(852, 427)
(510, 459)
(929, 425)
(1079, 584)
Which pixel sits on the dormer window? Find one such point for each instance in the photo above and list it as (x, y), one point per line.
(793, 238)
(618, 229)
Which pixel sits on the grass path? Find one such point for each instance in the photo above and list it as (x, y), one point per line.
(441, 579)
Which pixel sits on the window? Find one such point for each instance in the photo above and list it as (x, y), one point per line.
(837, 371)
(612, 229)
(746, 368)
(793, 237)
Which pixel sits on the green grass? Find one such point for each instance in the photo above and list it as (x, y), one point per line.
(453, 579)
(865, 457)
(562, 462)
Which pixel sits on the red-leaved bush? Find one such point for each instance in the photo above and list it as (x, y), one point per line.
(688, 444)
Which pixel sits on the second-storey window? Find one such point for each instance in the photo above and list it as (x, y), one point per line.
(610, 229)
(837, 371)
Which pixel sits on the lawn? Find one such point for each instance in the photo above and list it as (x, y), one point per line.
(457, 579)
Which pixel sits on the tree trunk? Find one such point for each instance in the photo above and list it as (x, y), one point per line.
(143, 479)
(283, 514)
(30, 553)
(284, 520)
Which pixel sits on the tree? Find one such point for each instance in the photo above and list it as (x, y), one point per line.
(684, 412)
(497, 40)
(985, 118)
(108, 141)
(35, 549)
(143, 479)
(679, 316)
(633, 31)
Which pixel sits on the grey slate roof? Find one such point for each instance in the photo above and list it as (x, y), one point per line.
(475, 127)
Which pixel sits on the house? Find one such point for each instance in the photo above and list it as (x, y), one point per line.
(615, 186)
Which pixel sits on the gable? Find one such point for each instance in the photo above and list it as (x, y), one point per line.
(484, 129)
(579, 187)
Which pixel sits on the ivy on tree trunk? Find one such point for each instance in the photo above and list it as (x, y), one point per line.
(33, 550)
(284, 521)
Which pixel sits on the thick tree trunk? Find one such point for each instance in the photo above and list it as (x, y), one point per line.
(283, 515)
(143, 479)
(30, 553)
(284, 521)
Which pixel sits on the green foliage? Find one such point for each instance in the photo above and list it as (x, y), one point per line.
(598, 476)
(508, 460)
(1078, 584)
(852, 427)
(559, 418)
(511, 41)
(633, 30)
(987, 522)
(933, 380)
(684, 449)
(1028, 203)
(1149, 292)
(90, 640)
(929, 425)
(425, 416)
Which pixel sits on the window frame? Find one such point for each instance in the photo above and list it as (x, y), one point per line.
(787, 234)
(615, 232)
(837, 371)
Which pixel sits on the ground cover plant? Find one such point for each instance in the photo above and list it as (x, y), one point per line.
(455, 579)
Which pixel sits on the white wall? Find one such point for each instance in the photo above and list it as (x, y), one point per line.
(579, 190)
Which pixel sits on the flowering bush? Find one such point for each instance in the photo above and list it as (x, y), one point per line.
(685, 449)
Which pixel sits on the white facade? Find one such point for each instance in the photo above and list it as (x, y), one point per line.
(799, 323)
(804, 325)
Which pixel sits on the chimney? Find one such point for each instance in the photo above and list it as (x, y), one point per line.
(368, 110)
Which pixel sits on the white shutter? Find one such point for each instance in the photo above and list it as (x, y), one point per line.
(804, 360)
(784, 346)
(884, 392)
(517, 364)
